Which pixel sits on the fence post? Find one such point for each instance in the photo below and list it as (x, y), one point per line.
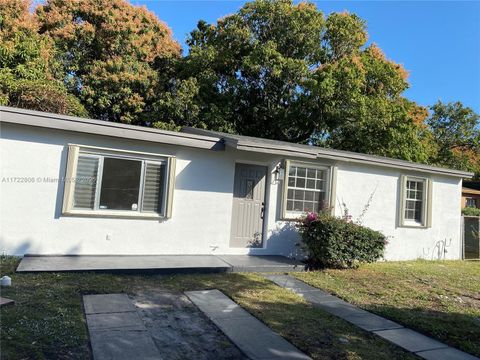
(462, 236)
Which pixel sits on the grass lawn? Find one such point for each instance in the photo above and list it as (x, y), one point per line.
(440, 299)
(47, 320)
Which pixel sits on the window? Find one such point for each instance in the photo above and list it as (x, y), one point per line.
(111, 182)
(415, 203)
(306, 188)
(470, 202)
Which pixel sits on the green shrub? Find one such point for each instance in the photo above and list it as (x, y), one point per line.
(471, 211)
(337, 243)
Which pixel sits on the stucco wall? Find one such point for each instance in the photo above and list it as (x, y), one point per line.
(357, 184)
(31, 219)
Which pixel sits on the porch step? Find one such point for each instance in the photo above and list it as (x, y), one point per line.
(171, 264)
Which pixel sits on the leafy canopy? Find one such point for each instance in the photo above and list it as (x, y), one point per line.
(30, 76)
(252, 67)
(456, 130)
(281, 70)
(115, 56)
(273, 69)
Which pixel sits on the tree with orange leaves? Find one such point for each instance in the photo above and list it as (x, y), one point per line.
(115, 56)
(30, 75)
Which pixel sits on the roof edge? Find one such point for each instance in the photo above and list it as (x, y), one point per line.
(106, 128)
(291, 149)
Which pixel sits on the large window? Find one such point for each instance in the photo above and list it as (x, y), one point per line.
(415, 204)
(306, 189)
(102, 182)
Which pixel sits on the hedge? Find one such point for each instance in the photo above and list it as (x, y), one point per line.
(338, 243)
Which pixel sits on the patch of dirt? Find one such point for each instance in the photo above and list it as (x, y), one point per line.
(472, 301)
(180, 330)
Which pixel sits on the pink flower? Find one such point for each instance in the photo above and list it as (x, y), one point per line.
(311, 216)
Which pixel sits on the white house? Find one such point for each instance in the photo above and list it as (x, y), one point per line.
(82, 186)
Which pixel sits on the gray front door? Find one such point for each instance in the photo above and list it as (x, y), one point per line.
(248, 206)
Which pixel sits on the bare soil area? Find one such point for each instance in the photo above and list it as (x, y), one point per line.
(180, 330)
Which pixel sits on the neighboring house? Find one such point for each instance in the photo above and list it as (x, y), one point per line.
(471, 194)
(81, 186)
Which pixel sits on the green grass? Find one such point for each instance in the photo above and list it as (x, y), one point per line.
(438, 298)
(47, 320)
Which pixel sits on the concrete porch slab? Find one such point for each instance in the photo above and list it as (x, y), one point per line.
(123, 263)
(158, 263)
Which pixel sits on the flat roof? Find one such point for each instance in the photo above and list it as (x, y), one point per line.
(206, 139)
(254, 144)
(106, 128)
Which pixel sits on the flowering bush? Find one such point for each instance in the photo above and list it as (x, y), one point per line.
(338, 243)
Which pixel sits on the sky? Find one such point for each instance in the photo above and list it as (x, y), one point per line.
(438, 42)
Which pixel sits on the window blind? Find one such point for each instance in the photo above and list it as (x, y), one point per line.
(153, 190)
(85, 182)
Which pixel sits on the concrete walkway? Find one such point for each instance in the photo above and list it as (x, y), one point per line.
(116, 330)
(160, 263)
(251, 336)
(421, 345)
(153, 324)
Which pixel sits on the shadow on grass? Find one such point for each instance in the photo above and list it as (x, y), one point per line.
(455, 329)
(438, 298)
(47, 320)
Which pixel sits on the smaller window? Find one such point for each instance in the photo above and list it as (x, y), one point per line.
(306, 189)
(415, 202)
(470, 202)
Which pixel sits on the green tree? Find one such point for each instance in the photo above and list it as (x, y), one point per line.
(282, 70)
(251, 69)
(116, 56)
(30, 76)
(456, 131)
(360, 102)
(178, 106)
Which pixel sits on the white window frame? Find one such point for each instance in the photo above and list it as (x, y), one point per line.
(329, 186)
(74, 151)
(426, 216)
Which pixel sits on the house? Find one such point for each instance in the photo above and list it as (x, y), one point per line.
(471, 194)
(83, 186)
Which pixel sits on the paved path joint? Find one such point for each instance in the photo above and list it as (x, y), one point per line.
(251, 336)
(116, 330)
(412, 341)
